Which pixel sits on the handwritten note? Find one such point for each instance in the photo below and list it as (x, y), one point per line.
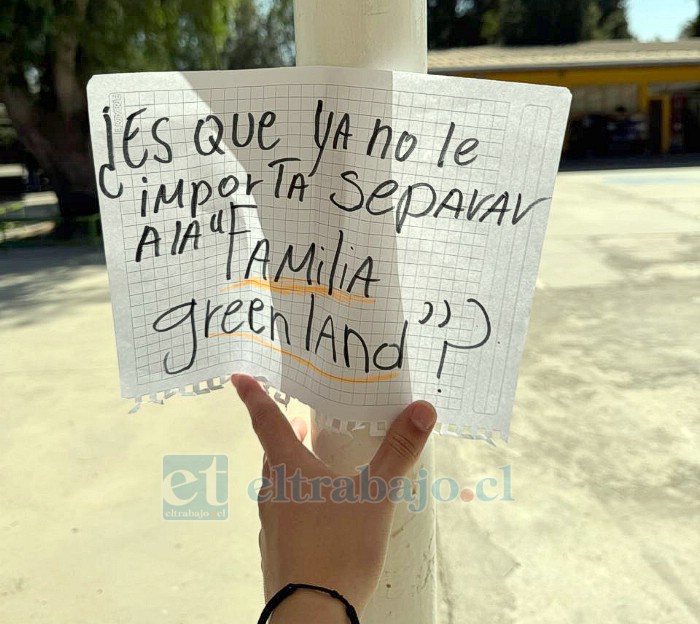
(360, 239)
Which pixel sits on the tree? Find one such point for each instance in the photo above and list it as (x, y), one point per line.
(259, 39)
(612, 23)
(50, 48)
(453, 23)
(692, 28)
(542, 22)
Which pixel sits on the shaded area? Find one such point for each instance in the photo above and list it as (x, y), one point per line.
(37, 283)
(645, 161)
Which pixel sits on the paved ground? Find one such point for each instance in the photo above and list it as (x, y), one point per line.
(605, 450)
(604, 454)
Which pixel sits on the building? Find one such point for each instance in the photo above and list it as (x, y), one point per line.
(627, 96)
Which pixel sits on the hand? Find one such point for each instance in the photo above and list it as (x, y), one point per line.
(338, 545)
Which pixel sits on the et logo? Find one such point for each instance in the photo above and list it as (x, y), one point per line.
(195, 487)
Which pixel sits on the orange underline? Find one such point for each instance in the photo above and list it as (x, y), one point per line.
(274, 347)
(291, 286)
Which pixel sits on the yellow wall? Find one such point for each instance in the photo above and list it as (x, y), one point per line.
(596, 75)
(578, 77)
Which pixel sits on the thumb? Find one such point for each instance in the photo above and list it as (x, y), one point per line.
(404, 441)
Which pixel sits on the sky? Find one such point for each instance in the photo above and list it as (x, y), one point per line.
(649, 19)
(652, 19)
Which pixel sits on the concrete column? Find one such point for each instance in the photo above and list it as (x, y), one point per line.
(377, 34)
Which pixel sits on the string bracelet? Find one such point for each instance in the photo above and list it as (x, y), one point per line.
(289, 589)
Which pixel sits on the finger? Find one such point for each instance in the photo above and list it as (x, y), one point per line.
(404, 441)
(272, 428)
(300, 428)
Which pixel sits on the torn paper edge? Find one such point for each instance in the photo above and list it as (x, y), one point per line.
(336, 425)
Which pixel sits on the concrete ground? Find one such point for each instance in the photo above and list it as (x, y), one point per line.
(604, 457)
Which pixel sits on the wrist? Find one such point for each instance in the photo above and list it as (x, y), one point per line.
(306, 606)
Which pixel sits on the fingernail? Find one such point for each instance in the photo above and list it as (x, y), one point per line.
(424, 416)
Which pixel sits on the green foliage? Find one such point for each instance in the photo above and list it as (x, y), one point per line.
(8, 136)
(50, 48)
(139, 35)
(453, 23)
(542, 22)
(612, 23)
(692, 28)
(260, 39)
(112, 35)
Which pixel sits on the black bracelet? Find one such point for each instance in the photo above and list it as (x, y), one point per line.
(288, 590)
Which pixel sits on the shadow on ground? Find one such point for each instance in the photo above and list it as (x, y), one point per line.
(40, 282)
(644, 161)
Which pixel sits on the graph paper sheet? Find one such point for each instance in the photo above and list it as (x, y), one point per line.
(359, 239)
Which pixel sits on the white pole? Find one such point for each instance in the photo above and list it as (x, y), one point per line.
(378, 34)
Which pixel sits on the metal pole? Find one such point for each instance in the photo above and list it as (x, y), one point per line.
(378, 34)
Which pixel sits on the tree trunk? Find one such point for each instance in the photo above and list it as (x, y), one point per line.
(54, 127)
(60, 144)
